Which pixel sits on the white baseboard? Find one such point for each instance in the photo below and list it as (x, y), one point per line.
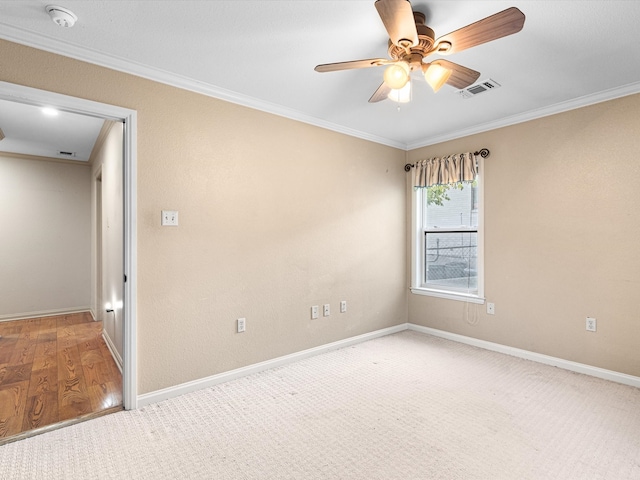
(536, 357)
(42, 313)
(175, 391)
(171, 392)
(112, 348)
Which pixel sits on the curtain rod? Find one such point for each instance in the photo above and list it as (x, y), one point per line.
(483, 152)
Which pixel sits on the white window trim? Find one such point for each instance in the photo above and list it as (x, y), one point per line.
(417, 240)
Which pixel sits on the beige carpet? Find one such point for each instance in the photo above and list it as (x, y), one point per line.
(406, 406)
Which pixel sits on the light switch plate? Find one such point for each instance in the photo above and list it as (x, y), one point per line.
(169, 218)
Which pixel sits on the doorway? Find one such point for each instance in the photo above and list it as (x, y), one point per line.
(124, 306)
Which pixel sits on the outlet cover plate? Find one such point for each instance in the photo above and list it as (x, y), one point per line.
(591, 324)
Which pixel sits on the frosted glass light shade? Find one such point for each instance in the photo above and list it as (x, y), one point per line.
(436, 76)
(396, 75)
(401, 95)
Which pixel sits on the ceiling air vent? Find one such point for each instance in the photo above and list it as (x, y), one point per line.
(66, 154)
(477, 88)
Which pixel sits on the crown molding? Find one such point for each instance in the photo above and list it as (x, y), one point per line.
(56, 46)
(561, 107)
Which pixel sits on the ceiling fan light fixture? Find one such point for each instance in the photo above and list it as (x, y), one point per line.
(436, 76)
(396, 75)
(401, 95)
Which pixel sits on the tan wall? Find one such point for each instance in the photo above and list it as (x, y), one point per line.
(44, 237)
(562, 203)
(275, 216)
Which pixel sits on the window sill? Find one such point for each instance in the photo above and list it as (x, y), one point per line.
(461, 297)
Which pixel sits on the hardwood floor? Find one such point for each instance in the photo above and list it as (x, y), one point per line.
(54, 369)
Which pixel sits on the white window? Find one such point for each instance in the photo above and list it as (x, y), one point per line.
(448, 241)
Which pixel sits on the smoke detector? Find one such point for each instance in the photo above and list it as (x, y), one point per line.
(61, 16)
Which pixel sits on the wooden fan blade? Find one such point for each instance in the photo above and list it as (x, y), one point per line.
(332, 67)
(496, 26)
(381, 93)
(461, 77)
(397, 17)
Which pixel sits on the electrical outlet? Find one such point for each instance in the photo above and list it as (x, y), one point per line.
(343, 306)
(314, 312)
(491, 308)
(169, 218)
(241, 324)
(591, 324)
(326, 310)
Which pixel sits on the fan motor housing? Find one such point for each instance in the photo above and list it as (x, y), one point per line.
(426, 39)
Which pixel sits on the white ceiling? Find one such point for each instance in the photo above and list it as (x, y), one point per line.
(29, 131)
(262, 53)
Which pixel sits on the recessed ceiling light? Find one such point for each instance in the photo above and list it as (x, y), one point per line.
(50, 112)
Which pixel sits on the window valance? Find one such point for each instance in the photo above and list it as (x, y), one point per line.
(452, 169)
(447, 170)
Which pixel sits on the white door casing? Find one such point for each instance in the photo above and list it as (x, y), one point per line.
(32, 96)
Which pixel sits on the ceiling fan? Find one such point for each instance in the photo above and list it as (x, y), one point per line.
(411, 41)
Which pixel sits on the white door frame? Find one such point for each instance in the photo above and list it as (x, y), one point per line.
(32, 96)
(99, 285)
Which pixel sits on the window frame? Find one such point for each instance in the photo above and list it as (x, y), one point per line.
(418, 248)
